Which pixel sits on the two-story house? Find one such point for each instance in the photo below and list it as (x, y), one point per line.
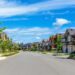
(69, 41)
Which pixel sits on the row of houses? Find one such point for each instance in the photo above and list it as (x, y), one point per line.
(63, 42)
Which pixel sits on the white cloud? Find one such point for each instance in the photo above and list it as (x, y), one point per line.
(38, 29)
(8, 9)
(38, 38)
(28, 34)
(29, 31)
(13, 19)
(61, 22)
(11, 30)
(6, 3)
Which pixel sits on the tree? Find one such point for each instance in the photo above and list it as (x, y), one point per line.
(1, 41)
(6, 44)
(34, 47)
(59, 44)
(2, 29)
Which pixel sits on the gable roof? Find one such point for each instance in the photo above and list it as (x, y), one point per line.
(70, 32)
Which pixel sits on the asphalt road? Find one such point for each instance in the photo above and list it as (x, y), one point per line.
(29, 63)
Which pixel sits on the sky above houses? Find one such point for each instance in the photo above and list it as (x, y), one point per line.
(33, 20)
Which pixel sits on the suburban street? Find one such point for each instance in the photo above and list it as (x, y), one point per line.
(31, 63)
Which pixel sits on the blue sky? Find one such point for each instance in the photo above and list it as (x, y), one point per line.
(33, 20)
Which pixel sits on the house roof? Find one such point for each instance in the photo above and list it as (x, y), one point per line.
(71, 31)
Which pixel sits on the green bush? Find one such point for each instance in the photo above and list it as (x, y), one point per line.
(72, 55)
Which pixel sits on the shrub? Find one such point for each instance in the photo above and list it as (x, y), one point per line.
(72, 55)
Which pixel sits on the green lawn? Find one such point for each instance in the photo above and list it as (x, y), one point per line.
(9, 53)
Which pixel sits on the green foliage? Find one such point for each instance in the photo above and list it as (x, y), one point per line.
(15, 47)
(59, 44)
(34, 47)
(72, 55)
(2, 29)
(7, 45)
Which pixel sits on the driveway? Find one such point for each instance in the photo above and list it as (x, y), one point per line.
(31, 63)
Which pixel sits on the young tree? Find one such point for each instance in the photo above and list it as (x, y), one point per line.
(59, 44)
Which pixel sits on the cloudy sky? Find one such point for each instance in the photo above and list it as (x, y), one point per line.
(33, 20)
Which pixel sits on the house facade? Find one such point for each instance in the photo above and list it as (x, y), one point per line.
(52, 42)
(69, 41)
(46, 45)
